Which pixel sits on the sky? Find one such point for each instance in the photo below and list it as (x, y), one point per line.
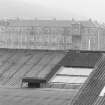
(48, 9)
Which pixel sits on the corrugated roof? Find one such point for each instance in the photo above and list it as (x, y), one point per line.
(90, 91)
(14, 65)
(100, 101)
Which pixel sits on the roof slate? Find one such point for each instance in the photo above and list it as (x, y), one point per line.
(12, 60)
(86, 60)
(36, 96)
(14, 65)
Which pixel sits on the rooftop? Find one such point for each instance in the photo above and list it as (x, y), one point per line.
(53, 22)
(16, 64)
(35, 96)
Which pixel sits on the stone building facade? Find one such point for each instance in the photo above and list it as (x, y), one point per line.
(52, 34)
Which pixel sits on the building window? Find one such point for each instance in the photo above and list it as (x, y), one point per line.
(46, 30)
(76, 41)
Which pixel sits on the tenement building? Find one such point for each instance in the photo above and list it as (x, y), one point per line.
(52, 34)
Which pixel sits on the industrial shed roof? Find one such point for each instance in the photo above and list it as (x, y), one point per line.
(16, 64)
(79, 61)
(99, 101)
(48, 96)
(90, 91)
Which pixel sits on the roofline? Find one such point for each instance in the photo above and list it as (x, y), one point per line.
(64, 51)
(86, 51)
(47, 50)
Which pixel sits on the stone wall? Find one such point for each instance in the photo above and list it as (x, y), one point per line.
(59, 36)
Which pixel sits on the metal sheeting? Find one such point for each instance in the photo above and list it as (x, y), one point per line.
(90, 91)
(100, 101)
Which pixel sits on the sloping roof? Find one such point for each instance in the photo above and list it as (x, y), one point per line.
(49, 23)
(90, 91)
(15, 64)
(100, 101)
(40, 22)
(53, 22)
(36, 96)
(89, 23)
(41, 96)
(46, 96)
(80, 59)
(76, 60)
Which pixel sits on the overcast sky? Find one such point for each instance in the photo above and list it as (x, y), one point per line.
(60, 9)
